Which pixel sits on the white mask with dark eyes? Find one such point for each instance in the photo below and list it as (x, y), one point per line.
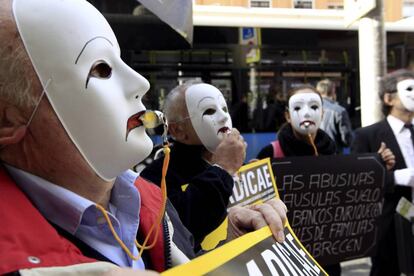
(405, 90)
(208, 112)
(95, 95)
(305, 110)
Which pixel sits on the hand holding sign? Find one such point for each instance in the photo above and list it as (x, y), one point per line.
(246, 219)
(387, 156)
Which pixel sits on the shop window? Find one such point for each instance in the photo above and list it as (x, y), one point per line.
(303, 4)
(260, 4)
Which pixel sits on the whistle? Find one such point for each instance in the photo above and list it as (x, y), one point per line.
(154, 118)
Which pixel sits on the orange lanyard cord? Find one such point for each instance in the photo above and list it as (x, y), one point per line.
(157, 222)
(313, 145)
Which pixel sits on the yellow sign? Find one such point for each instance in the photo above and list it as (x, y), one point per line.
(256, 253)
(253, 184)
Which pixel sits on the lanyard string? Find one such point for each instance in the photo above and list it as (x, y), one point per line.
(155, 225)
(313, 145)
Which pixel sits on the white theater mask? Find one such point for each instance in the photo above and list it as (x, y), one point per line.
(95, 95)
(208, 112)
(405, 90)
(305, 110)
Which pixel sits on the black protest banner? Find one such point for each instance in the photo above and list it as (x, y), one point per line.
(254, 183)
(256, 253)
(334, 203)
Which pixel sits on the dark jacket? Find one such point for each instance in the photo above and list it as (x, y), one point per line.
(368, 139)
(199, 191)
(25, 234)
(291, 146)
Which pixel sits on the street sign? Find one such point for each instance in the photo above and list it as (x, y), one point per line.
(252, 39)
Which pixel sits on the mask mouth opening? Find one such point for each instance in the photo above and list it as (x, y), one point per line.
(307, 123)
(223, 130)
(134, 122)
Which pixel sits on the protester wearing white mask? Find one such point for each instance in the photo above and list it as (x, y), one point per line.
(396, 131)
(70, 127)
(301, 135)
(206, 152)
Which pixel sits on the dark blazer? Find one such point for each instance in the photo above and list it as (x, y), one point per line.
(368, 139)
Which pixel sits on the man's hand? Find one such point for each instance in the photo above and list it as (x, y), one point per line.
(231, 151)
(404, 177)
(387, 156)
(246, 219)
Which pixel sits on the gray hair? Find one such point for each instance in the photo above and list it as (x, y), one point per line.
(16, 71)
(175, 101)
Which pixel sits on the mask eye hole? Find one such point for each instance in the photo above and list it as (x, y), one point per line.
(314, 107)
(296, 108)
(225, 109)
(409, 88)
(100, 70)
(209, 111)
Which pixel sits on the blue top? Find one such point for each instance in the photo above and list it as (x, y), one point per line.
(80, 217)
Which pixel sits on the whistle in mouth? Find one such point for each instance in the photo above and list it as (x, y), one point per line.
(153, 119)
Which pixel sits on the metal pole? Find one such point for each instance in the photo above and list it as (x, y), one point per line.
(372, 62)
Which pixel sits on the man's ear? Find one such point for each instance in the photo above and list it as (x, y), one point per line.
(12, 124)
(387, 98)
(176, 131)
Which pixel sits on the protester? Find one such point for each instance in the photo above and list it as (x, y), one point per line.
(206, 152)
(335, 120)
(303, 137)
(70, 128)
(396, 131)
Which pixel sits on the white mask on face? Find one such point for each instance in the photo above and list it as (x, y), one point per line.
(92, 91)
(209, 114)
(305, 110)
(405, 90)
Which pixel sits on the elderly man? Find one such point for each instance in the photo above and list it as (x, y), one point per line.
(206, 152)
(69, 131)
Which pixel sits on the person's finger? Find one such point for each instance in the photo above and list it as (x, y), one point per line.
(244, 219)
(234, 132)
(387, 154)
(382, 147)
(273, 219)
(280, 208)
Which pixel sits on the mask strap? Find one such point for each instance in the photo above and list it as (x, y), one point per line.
(38, 103)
